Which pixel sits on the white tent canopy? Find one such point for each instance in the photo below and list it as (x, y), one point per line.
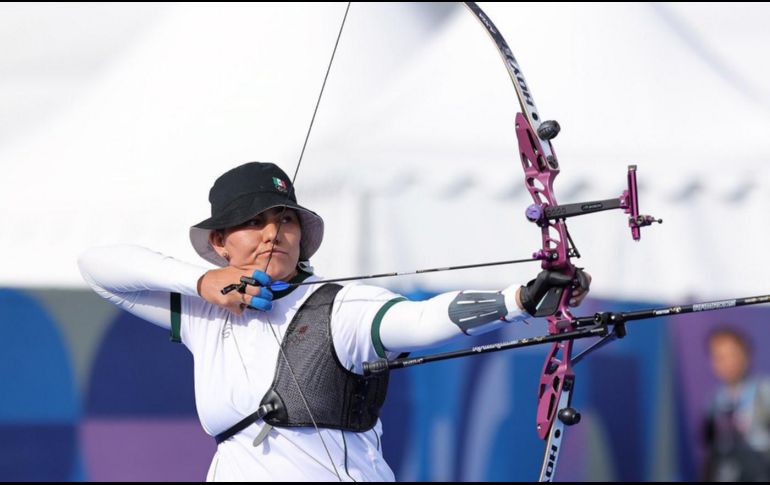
(412, 160)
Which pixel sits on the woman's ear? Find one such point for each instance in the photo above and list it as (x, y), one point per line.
(217, 241)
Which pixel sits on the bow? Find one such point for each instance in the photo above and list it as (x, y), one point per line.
(557, 380)
(541, 167)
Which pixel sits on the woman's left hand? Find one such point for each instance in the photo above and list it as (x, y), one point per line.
(580, 292)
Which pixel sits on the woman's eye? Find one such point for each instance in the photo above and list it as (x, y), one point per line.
(260, 221)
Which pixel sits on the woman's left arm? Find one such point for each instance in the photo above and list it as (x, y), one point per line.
(410, 325)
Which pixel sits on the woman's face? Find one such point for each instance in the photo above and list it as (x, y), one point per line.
(249, 245)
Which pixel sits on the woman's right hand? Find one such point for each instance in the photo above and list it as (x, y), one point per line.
(255, 297)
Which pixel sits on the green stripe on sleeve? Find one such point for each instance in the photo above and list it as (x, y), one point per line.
(376, 341)
(176, 317)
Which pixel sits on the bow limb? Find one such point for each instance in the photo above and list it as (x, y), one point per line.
(540, 170)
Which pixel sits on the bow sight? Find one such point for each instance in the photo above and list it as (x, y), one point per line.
(541, 213)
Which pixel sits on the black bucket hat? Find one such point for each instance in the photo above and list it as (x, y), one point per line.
(242, 193)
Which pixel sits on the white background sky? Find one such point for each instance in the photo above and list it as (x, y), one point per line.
(116, 118)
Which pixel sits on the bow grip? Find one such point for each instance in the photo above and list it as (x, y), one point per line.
(560, 283)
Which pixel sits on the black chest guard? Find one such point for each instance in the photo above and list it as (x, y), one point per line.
(337, 397)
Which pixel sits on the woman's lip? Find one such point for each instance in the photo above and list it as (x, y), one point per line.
(276, 251)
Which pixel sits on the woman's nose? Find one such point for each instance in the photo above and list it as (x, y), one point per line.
(270, 231)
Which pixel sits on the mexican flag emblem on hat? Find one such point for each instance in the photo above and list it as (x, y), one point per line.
(279, 184)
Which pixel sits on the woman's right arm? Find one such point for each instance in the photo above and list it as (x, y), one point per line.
(139, 280)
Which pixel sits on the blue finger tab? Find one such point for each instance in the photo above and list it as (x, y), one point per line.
(261, 277)
(265, 294)
(260, 304)
(279, 285)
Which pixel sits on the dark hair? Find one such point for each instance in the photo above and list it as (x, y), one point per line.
(726, 331)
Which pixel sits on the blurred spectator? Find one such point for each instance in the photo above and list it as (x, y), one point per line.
(737, 428)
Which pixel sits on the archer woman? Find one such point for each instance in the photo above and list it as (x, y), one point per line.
(278, 373)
